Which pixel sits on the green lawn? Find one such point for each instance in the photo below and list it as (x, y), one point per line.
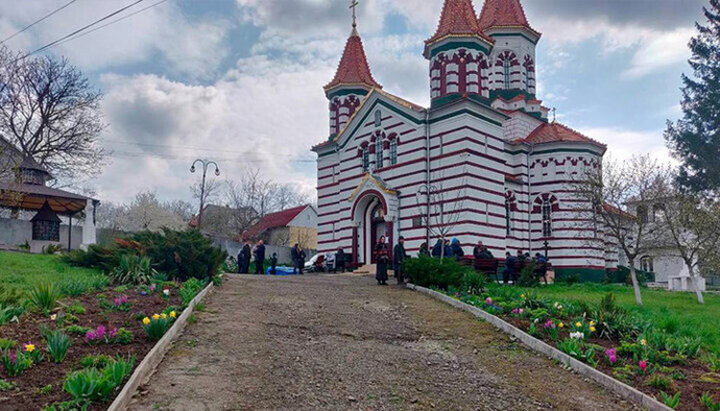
(677, 313)
(25, 271)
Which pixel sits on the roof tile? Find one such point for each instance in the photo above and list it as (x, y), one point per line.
(274, 220)
(458, 17)
(556, 132)
(353, 68)
(503, 13)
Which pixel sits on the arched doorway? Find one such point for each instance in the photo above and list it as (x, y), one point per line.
(370, 223)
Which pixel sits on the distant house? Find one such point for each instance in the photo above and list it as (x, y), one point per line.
(288, 227)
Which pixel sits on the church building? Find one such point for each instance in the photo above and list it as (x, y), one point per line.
(482, 163)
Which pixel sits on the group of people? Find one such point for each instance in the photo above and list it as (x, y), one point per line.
(383, 259)
(249, 251)
(514, 264)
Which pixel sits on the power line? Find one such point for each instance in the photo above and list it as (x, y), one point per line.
(80, 30)
(112, 22)
(45, 17)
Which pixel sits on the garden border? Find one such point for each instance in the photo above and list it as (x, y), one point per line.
(151, 361)
(618, 387)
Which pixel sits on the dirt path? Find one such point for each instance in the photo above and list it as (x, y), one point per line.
(340, 342)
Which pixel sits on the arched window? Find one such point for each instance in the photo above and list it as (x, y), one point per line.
(393, 151)
(365, 158)
(646, 264)
(378, 118)
(506, 73)
(546, 210)
(378, 153)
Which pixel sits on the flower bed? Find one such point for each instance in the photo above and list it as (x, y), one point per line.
(107, 339)
(675, 370)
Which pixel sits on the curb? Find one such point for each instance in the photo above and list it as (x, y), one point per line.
(623, 390)
(155, 356)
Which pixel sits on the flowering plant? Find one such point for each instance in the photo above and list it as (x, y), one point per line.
(101, 335)
(551, 329)
(577, 335)
(32, 352)
(166, 292)
(518, 312)
(611, 356)
(156, 326)
(121, 303)
(642, 364)
(15, 363)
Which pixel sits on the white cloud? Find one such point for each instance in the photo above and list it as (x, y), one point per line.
(623, 144)
(659, 51)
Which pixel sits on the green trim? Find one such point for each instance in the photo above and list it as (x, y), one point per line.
(514, 34)
(465, 111)
(345, 92)
(456, 45)
(511, 94)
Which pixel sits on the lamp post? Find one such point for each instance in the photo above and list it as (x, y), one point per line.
(205, 164)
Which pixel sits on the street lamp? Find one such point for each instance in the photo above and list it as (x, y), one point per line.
(205, 164)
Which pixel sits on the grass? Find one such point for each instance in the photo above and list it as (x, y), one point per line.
(26, 271)
(677, 313)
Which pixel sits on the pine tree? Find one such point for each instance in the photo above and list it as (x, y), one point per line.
(695, 139)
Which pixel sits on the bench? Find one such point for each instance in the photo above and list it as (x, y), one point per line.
(487, 266)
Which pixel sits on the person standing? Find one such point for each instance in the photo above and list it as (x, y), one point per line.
(399, 255)
(423, 250)
(244, 258)
(273, 264)
(340, 260)
(383, 258)
(510, 271)
(301, 259)
(294, 257)
(259, 257)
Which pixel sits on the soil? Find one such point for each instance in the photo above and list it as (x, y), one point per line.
(25, 397)
(341, 342)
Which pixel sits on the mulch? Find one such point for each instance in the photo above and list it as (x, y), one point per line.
(25, 396)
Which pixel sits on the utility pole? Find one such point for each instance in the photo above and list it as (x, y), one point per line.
(205, 164)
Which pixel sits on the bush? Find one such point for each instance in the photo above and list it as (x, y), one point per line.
(57, 345)
(527, 276)
(132, 269)
(44, 298)
(104, 258)
(189, 290)
(474, 282)
(97, 385)
(433, 272)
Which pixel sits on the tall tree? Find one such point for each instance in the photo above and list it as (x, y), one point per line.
(695, 139)
(50, 112)
(618, 193)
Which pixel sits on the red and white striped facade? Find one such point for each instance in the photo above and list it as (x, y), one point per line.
(484, 148)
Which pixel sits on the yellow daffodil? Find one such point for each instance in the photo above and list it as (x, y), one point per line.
(146, 321)
(592, 329)
(172, 314)
(29, 347)
(592, 323)
(163, 316)
(522, 295)
(643, 342)
(578, 324)
(156, 317)
(561, 325)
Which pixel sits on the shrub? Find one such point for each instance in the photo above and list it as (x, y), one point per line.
(52, 249)
(181, 254)
(433, 272)
(156, 326)
(43, 298)
(96, 256)
(527, 276)
(189, 290)
(15, 362)
(57, 345)
(132, 269)
(474, 283)
(97, 385)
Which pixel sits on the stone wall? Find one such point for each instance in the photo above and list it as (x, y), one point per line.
(16, 232)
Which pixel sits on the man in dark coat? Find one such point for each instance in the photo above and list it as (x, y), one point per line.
(301, 259)
(244, 258)
(437, 249)
(340, 260)
(259, 257)
(399, 255)
(510, 270)
(294, 257)
(480, 252)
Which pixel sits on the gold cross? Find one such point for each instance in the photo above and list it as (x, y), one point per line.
(353, 6)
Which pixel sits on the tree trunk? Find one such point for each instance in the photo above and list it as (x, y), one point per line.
(636, 285)
(696, 284)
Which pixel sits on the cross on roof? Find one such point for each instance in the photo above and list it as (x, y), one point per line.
(353, 6)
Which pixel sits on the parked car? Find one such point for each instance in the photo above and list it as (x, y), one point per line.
(316, 263)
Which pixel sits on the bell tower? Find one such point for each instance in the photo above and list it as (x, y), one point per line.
(353, 80)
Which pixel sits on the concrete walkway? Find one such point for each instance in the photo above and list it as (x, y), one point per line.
(341, 342)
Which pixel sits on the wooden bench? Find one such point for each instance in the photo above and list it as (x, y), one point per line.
(487, 266)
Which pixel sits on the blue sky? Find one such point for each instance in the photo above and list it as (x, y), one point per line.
(240, 81)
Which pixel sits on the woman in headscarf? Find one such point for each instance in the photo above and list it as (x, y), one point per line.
(423, 250)
(437, 249)
(382, 255)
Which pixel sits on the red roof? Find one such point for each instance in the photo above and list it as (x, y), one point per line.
(353, 68)
(274, 220)
(553, 132)
(457, 18)
(503, 13)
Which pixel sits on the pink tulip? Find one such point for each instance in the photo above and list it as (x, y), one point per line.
(643, 365)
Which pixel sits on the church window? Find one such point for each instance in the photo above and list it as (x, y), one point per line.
(378, 118)
(393, 151)
(546, 218)
(646, 264)
(506, 73)
(378, 153)
(365, 159)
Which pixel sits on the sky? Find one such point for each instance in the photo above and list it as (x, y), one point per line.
(240, 81)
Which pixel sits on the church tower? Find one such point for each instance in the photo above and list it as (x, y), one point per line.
(458, 54)
(352, 81)
(513, 57)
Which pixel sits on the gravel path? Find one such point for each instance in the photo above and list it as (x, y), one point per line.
(341, 342)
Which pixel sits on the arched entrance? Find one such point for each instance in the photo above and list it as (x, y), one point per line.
(370, 218)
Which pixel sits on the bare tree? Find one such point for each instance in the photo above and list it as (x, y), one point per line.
(691, 226)
(49, 111)
(210, 193)
(615, 192)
